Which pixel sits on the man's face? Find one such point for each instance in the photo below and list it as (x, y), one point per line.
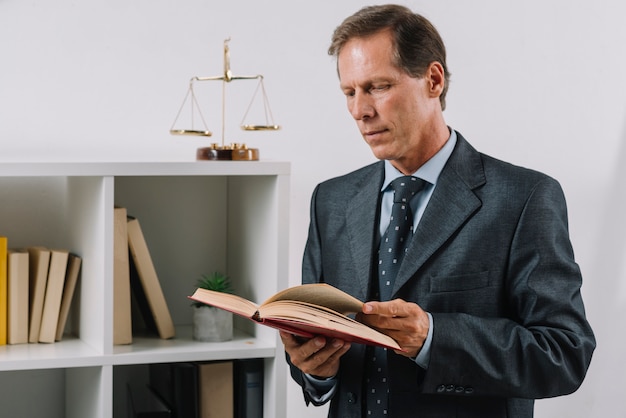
(394, 111)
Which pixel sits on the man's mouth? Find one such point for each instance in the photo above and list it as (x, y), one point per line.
(373, 133)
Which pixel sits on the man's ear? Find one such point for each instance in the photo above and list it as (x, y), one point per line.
(435, 75)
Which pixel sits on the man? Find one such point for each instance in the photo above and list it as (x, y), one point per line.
(486, 302)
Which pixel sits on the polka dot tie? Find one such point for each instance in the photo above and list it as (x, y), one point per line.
(393, 246)
(394, 243)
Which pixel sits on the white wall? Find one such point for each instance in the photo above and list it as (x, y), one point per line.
(538, 83)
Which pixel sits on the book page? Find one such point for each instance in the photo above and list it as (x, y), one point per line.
(233, 303)
(308, 320)
(320, 294)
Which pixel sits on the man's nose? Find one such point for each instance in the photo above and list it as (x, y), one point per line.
(361, 106)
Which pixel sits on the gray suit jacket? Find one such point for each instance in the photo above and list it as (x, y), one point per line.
(491, 260)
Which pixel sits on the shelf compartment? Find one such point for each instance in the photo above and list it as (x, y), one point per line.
(54, 393)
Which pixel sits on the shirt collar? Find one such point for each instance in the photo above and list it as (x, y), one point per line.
(430, 170)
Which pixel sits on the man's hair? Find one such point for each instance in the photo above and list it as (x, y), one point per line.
(417, 43)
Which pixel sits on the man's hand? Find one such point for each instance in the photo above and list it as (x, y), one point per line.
(318, 356)
(405, 322)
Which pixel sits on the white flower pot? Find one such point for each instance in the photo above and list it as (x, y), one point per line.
(212, 324)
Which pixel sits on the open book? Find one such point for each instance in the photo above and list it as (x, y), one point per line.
(305, 310)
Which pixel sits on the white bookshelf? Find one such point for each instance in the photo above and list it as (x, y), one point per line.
(197, 217)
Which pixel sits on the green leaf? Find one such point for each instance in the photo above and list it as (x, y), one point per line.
(217, 282)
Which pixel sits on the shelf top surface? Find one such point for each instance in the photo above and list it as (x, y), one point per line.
(73, 352)
(191, 168)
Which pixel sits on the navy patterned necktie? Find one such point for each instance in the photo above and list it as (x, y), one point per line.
(394, 243)
(393, 246)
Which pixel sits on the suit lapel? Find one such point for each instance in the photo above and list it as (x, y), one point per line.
(451, 204)
(362, 210)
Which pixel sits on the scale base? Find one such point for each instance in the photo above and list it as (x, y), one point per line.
(233, 152)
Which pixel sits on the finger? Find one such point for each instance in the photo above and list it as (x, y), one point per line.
(399, 319)
(393, 308)
(286, 338)
(341, 350)
(290, 340)
(384, 324)
(303, 352)
(323, 354)
(325, 362)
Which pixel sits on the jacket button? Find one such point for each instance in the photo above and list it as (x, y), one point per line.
(459, 389)
(351, 397)
(469, 390)
(441, 388)
(450, 388)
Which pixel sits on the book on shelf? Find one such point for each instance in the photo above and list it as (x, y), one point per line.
(71, 278)
(160, 380)
(122, 320)
(304, 310)
(177, 385)
(39, 261)
(196, 389)
(216, 389)
(142, 320)
(186, 396)
(143, 402)
(53, 296)
(248, 382)
(4, 242)
(148, 280)
(17, 297)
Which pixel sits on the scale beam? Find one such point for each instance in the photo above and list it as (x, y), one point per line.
(233, 151)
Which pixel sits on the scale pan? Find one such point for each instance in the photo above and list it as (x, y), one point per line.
(191, 132)
(260, 127)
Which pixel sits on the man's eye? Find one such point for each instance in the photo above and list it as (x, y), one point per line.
(381, 87)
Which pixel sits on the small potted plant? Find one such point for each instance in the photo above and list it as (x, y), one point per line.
(209, 323)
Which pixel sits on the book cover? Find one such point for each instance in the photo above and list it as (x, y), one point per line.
(195, 389)
(305, 310)
(39, 261)
(17, 297)
(122, 319)
(249, 388)
(142, 320)
(3, 289)
(149, 280)
(71, 278)
(216, 389)
(53, 296)
(143, 402)
(161, 381)
(185, 383)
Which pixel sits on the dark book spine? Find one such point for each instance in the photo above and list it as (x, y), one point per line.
(140, 300)
(185, 382)
(143, 402)
(249, 388)
(162, 382)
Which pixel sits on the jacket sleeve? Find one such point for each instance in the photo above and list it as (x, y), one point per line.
(312, 394)
(312, 259)
(543, 346)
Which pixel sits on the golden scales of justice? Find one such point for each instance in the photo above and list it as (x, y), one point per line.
(234, 151)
